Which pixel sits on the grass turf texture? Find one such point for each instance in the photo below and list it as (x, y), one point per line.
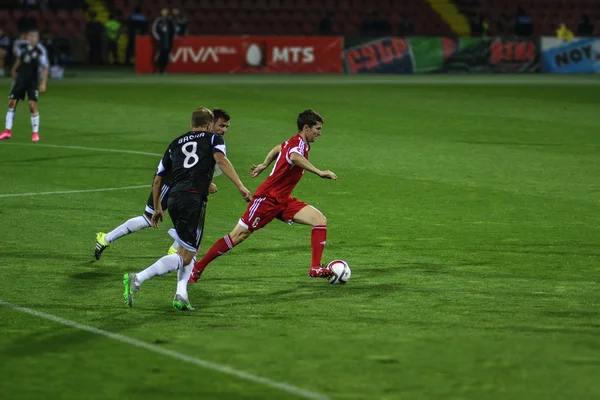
(468, 213)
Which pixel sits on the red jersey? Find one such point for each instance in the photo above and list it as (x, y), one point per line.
(285, 175)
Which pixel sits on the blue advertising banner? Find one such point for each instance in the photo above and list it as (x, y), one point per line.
(577, 56)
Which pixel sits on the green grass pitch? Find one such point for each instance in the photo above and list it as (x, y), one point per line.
(469, 214)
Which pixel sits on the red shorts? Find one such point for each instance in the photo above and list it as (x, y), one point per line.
(263, 210)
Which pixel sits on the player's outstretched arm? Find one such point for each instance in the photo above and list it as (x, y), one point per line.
(257, 169)
(158, 211)
(229, 171)
(303, 163)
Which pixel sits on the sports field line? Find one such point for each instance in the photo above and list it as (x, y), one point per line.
(284, 387)
(57, 146)
(79, 148)
(74, 191)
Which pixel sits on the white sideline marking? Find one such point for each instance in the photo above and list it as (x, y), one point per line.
(173, 354)
(85, 148)
(73, 191)
(78, 148)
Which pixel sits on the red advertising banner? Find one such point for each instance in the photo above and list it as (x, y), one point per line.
(245, 54)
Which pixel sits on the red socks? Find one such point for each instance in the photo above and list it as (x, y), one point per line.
(220, 247)
(318, 238)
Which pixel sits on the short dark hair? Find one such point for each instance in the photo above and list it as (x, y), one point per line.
(219, 113)
(202, 117)
(309, 117)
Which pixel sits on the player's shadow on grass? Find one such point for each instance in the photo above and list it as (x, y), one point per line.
(543, 250)
(62, 257)
(47, 342)
(302, 294)
(104, 166)
(81, 260)
(120, 258)
(91, 275)
(40, 159)
(82, 205)
(515, 144)
(432, 268)
(267, 250)
(62, 339)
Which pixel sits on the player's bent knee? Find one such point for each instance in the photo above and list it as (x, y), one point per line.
(322, 220)
(239, 234)
(186, 255)
(317, 218)
(239, 237)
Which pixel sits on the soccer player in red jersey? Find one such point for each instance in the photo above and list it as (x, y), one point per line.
(273, 198)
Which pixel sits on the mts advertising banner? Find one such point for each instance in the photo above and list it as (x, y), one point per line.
(420, 55)
(245, 54)
(580, 55)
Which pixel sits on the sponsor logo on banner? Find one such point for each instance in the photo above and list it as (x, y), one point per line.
(245, 54)
(259, 54)
(385, 55)
(255, 55)
(512, 52)
(295, 55)
(291, 54)
(187, 54)
(580, 55)
(491, 55)
(441, 54)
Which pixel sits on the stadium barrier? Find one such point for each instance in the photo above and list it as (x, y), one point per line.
(580, 55)
(391, 55)
(246, 54)
(398, 55)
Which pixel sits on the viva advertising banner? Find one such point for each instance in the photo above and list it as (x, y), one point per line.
(422, 55)
(580, 55)
(245, 54)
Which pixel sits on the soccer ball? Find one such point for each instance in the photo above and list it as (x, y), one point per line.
(341, 272)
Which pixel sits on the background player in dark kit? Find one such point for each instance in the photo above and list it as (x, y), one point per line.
(163, 31)
(25, 73)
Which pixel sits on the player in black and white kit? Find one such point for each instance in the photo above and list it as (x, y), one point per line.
(104, 240)
(25, 73)
(191, 160)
